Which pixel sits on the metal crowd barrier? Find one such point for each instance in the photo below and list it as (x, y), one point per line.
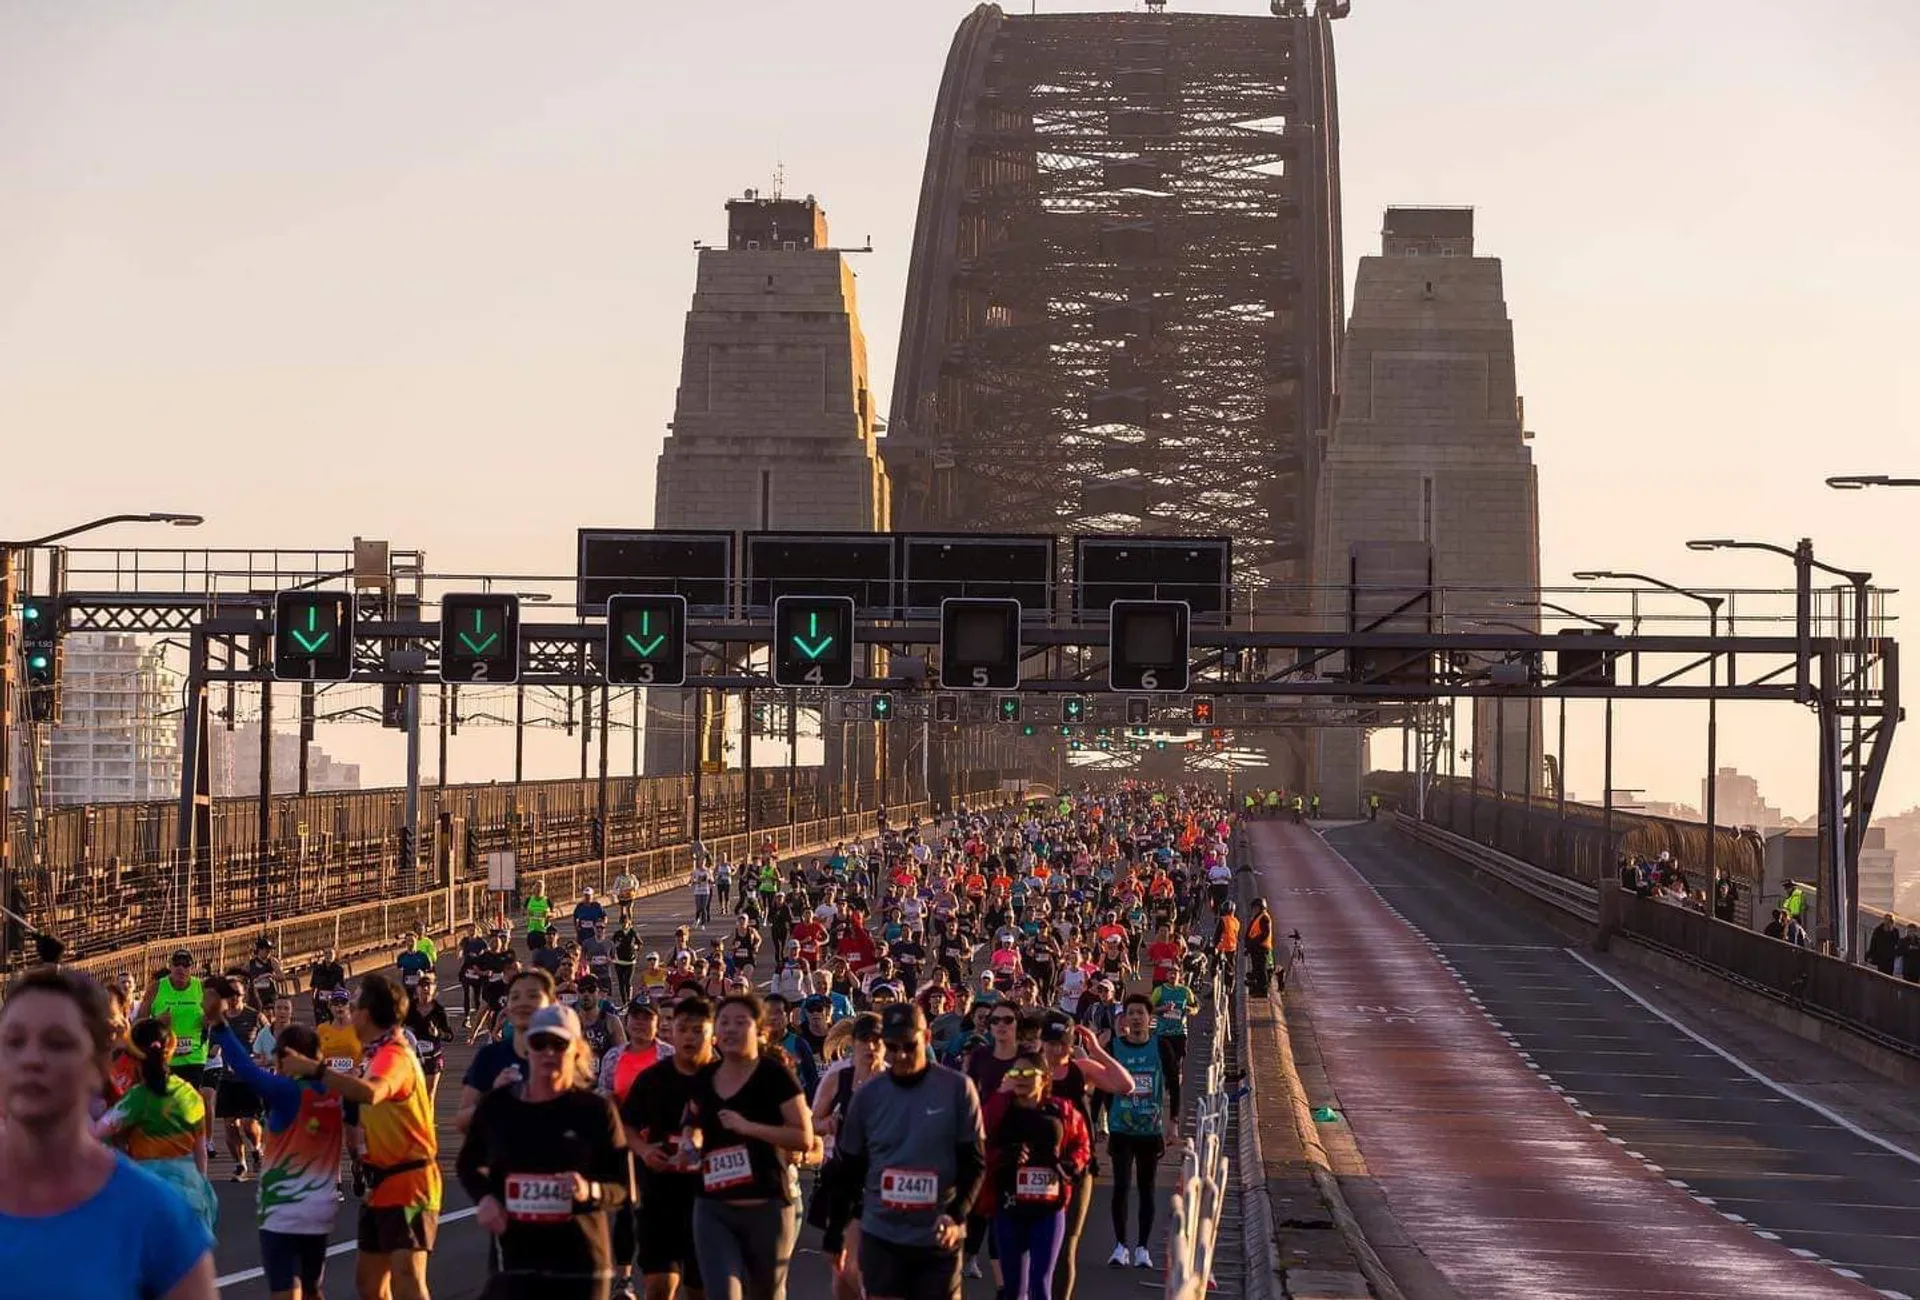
(1201, 1193)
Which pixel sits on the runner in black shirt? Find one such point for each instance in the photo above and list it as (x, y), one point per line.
(660, 1133)
(544, 1161)
(750, 1112)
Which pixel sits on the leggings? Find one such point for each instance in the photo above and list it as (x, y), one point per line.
(744, 1250)
(1143, 1153)
(1066, 1274)
(1029, 1247)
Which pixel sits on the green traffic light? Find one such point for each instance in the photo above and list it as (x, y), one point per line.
(1026, 730)
(311, 639)
(474, 641)
(813, 645)
(38, 662)
(646, 648)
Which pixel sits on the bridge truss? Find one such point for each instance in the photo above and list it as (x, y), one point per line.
(1124, 304)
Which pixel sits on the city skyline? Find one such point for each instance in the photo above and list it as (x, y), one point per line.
(370, 296)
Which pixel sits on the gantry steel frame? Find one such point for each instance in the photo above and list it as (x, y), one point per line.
(1125, 299)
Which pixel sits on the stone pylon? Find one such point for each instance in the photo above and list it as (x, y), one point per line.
(774, 424)
(1428, 459)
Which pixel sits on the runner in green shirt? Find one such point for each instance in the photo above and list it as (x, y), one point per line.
(539, 909)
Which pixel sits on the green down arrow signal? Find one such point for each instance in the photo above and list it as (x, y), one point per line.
(813, 630)
(646, 649)
(478, 646)
(317, 639)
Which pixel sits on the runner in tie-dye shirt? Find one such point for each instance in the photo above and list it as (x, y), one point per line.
(300, 1171)
(400, 1217)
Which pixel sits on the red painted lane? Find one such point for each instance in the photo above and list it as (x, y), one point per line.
(1503, 1187)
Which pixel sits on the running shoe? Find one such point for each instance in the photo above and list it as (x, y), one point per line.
(1141, 1259)
(1120, 1257)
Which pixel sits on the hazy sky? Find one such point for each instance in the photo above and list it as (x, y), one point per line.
(419, 271)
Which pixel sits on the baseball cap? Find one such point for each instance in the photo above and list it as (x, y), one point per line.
(339, 995)
(817, 1002)
(902, 1022)
(181, 957)
(888, 987)
(1057, 1028)
(558, 1019)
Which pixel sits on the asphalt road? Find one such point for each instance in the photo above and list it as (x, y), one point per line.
(1789, 1171)
(458, 1268)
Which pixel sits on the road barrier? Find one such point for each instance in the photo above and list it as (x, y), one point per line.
(1200, 1196)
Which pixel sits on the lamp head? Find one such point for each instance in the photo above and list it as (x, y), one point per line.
(1856, 482)
(177, 520)
(1709, 543)
(1593, 575)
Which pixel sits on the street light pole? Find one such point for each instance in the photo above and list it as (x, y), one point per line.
(1848, 806)
(9, 555)
(1712, 791)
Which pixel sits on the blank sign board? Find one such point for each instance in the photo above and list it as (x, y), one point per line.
(1191, 569)
(697, 565)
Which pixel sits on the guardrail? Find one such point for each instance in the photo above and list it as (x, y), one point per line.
(1571, 896)
(1202, 1191)
(109, 880)
(371, 929)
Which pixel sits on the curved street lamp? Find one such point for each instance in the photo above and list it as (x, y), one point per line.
(1858, 482)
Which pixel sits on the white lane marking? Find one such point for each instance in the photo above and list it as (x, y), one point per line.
(1824, 1112)
(337, 1248)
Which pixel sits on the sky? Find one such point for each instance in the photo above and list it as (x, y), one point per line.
(420, 271)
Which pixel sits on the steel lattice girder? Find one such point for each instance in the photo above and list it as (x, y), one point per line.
(1124, 343)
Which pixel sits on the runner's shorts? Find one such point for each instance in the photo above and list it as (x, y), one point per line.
(908, 1272)
(234, 1099)
(388, 1228)
(664, 1233)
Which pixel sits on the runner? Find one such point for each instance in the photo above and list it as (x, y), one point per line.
(1142, 1125)
(660, 1133)
(910, 1153)
(400, 1217)
(300, 1167)
(544, 1162)
(76, 1219)
(750, 1111)
(162, 1123)
(427, 1022)
(1037, 1151)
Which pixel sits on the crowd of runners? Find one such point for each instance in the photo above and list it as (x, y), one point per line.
(923, 1046)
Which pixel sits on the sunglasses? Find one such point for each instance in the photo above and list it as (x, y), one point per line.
(546, 1043)
(1003, 1020)
(1025, 1073)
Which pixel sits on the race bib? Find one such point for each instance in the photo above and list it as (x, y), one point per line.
(540, 1198)
(1143, 1086)
(341, 1064)
(184, 1045)
(263, 981)
(1036, 1183)
(727, 1167)
(909, 1189)
(412, 978)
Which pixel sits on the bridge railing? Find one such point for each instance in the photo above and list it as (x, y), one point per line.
(1578, 844)
(1200, 1196)
(108, 881)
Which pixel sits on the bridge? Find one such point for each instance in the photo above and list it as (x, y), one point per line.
(1127, 342)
